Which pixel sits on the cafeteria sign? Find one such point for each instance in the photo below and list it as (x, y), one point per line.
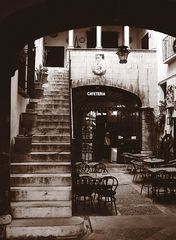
(96, 94)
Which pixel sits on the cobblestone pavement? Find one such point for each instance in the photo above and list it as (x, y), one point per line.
(138, 217)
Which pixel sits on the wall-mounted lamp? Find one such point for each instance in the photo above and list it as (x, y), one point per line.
(122, 51)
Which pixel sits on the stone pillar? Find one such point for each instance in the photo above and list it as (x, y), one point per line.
(5, 100)
(127, 36)
(147, 131)
(71, 39)
(98, 37)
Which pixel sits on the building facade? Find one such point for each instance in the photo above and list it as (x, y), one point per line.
(78, 52)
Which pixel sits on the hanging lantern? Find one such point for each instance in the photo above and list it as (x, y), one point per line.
(122, 53)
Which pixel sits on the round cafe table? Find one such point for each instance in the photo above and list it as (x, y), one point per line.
(153, 162)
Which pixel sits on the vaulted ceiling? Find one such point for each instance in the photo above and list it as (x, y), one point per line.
(24, 20)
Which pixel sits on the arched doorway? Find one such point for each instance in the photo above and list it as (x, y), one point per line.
(102, 109)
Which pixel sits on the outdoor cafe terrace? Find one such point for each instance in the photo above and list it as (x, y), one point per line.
(142, 185)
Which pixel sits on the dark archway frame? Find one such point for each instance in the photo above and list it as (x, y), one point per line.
(23, 21)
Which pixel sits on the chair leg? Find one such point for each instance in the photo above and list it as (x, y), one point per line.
(148, 191)
(142, 188)
(114, 201)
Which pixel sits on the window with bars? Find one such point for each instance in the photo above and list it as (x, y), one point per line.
(168, 49)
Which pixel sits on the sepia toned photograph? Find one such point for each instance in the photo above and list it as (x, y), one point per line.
(88, 120)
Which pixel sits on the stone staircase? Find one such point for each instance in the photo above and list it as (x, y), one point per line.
(41, 196)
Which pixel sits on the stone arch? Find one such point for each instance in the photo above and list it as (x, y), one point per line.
(24, 21)
(91, 93)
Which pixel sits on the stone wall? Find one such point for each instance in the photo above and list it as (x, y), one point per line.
(18, 105)
(137, 76)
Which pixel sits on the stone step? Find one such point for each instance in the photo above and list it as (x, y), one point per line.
(55, 83)
(51, 138)
(46, 179)
(58, 72)
(55, 146)
(49, 108)
(56, 96)
(54, 101)
(52, 106)
(42, 156)
(58, 76)
(53, 117)
(40, 167)
(56, 87)
(56, 92)
(58, 81)
(52, 124)
(41, 209)
(50, 131)
(61, 193)
(49, 228)
(52, 111)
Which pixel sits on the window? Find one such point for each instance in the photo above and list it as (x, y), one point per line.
(168, 50)
(145, 42)
(54, 56)
(109, 39)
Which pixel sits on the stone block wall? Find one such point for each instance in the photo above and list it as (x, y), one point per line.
(138, 76)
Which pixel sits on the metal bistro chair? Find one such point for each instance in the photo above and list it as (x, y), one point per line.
(83, 191)
(137, 170)
(82, 168)
(100, 168)
(146, 180)
(106, 191)
(161, 183)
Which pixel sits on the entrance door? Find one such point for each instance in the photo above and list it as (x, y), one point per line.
(54, 56)
(99, 137)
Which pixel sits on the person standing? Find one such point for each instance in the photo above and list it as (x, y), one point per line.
(107, 146)
(166, 146)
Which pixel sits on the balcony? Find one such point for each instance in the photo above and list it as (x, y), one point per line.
(168, 52)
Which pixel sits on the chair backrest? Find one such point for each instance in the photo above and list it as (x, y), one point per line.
(162, 175)
(85, 180)
(84, 186)
(92, 168)
(146, 175)
(110, 182)
(100, 168)
(137, 165)
(172, 163)
(82, 168)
